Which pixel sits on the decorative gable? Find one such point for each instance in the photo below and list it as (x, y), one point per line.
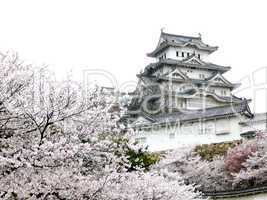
(141, 120)
(218, 78)
(194, 60)
(177, 74)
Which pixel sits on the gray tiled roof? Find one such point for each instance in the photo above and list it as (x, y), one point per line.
(180, 41)
(178, 38)
(196, 81)
(194, 115)
(230, 99)
(153, 66)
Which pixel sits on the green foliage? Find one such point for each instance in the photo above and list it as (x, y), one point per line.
(210, 151)
(138, 157)
(141, 158)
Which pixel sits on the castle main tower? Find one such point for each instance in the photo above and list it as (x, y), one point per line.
(183, 91)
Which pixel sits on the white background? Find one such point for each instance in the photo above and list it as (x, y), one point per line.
(116, 35)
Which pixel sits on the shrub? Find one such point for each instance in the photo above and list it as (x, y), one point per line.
(134, 156)
(141, 158)
(210, 151)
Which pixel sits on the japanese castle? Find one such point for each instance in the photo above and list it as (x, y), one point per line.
(182, 98)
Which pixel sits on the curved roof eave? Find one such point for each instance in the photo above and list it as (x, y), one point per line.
(209, 66)
(167, 44)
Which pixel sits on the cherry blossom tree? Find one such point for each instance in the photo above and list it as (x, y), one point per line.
(238, 155)
(60, 140)
(206, 175)
(254, 169)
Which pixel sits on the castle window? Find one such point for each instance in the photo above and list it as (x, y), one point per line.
(172, 135)
(182, 54)
(183, 103)
(198, 56)
(223, 92)
(188, 54)
(201, 76)
(177, 53)
(212, 90)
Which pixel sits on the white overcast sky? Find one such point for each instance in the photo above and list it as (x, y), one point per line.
(116, 35)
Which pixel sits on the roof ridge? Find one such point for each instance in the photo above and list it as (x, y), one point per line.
(213, 108)
(211, 77)
(184, 36)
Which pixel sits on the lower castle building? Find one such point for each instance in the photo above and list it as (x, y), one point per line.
(182, 98)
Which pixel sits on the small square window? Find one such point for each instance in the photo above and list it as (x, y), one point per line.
(212, 90)
(201, 76)
(223, 92)
(172, 135)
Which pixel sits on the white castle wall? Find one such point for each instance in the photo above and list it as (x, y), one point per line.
(171, 53)
(211, 131)
(256, 124)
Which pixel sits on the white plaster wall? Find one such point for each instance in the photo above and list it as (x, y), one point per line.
(171, 53)
(191, 73)
(255, 126)
(256, 123)
(218, 91)
(159, 139)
